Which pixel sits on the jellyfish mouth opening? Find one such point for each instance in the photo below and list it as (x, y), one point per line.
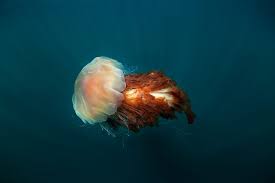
(163, 94)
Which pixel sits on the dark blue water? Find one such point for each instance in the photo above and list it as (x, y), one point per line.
(221, 52)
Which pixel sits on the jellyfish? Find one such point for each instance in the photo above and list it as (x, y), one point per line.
(104, 94)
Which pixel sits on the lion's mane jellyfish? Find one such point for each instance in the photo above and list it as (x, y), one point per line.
(104, 94)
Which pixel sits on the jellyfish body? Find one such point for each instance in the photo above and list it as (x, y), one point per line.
(97, 91)
(102, 94)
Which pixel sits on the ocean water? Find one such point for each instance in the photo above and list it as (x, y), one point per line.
(221, 52)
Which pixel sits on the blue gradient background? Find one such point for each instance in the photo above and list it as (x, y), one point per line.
(221, 52)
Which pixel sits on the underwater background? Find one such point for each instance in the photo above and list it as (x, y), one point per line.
(221, 52)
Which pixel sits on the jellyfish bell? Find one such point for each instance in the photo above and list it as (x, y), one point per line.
(97, 90)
